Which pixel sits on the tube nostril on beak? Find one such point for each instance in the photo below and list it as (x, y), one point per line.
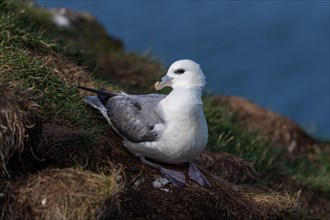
(165, 81)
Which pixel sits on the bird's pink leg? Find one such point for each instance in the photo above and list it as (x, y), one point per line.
(175, 177)
(196, 175)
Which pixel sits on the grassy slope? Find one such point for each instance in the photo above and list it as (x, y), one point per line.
(228, 135)
(22, 36)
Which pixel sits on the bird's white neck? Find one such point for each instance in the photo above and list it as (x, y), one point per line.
(183, 98)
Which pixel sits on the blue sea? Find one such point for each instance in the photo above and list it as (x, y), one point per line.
(274, 53)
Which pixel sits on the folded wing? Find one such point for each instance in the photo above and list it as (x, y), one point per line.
(136, 118)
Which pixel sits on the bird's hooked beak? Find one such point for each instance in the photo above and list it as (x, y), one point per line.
(165, 81)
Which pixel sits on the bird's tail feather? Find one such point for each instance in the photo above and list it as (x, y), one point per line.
(102, 95)
(96, 103)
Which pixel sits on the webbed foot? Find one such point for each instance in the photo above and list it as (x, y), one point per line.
(175, 177)
(196, 175)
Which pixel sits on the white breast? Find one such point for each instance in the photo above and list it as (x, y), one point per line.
(185, 135)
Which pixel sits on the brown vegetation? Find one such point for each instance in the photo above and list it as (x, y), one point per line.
(68, 71)
(279, 130)
(67, 194)
(65, 146)
(224, 200)
(227, 167)
(20, 124)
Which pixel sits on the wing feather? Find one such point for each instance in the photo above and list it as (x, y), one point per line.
(135, 117)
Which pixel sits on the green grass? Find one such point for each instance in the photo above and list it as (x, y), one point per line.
(21, 25)
(59, 103)
(92, 48)
(227, 135)
(313, 175)
(20, 40)
(33, 28)
(23, 33)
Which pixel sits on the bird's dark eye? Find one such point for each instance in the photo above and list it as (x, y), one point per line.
(179, 71)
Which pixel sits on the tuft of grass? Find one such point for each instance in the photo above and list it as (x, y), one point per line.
(23, 25)
(18, 114)
(227, 135)
(21, 63)
(313, 175)
(60, 103)
(70, 194)
(275, 203)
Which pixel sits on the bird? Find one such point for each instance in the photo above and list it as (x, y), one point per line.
(170, 129)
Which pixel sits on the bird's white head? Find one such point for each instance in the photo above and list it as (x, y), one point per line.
(183, 73)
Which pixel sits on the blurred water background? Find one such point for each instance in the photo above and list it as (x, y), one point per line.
(274, 53)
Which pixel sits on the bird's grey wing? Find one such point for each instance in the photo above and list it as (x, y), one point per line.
(136, 117)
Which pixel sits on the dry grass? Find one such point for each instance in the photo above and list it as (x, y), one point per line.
(68, 71)
(275, 204)
(5, 200)
(69, 194)
(17, 116)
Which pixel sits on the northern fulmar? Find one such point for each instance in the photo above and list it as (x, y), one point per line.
(165, 128)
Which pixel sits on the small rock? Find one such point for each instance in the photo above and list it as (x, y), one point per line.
(61, 21)
(160, 182)
(43, 202)
(138, 182)
(164, 189)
